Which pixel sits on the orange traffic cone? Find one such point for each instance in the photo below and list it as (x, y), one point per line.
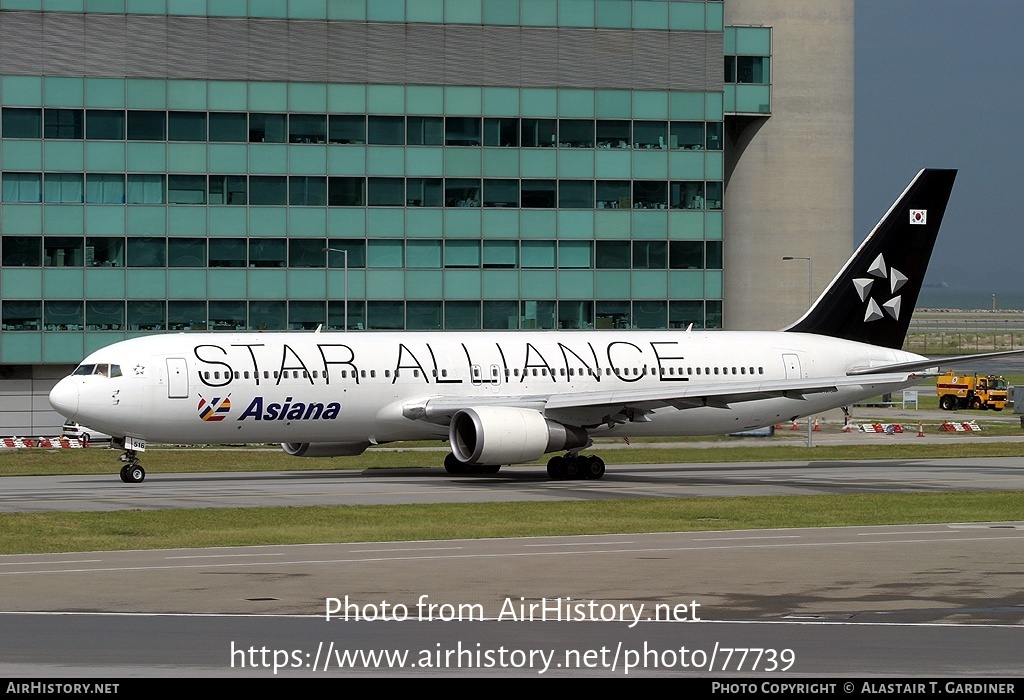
(920, 429)
(795, 427)
(817, 428)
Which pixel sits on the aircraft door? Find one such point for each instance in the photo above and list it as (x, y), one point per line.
(792, 363)
(177, 378)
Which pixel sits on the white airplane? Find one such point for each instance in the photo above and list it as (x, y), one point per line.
(509, 397)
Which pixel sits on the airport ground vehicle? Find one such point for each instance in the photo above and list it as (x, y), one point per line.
(79, 431)
(971, 391)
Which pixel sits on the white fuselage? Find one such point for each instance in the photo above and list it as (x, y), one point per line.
(354, 387)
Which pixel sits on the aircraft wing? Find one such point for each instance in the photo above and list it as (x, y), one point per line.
(928, 364)
(602, 406)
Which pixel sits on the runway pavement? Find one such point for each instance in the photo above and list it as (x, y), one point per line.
(931, 600)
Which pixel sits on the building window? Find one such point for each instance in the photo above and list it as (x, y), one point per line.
(146, 125)
(186, 126)
(346, 191)
(227, 315)
(267, 252)
(148, 315)
(63, 315)
(186, 315)
(306, 252)
(424, 131)
(22, 187)
(227, 189)
(104, 188)
(268, 128)
(146, 189)
(186, 189)
(63, 251)
(20, 123)
(268, 190)
(104, 251)
(63, 188)
(307, 191)
(21, 251)
(424, 192)
(62, 123)
(385, 192)
(614, 133)
(147, 252)
(228, 127)
(462, 131)
(186, 252)
(347, 129)
(307, 128)
(227, 252)
(538, 133)
(576, 194)
(385, 131)
(104, 315)
(538, 194)
(22, 315)
(501, 131)
(501, 193)
(576, 133)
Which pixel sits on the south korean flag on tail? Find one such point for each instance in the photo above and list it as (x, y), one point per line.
(919, 216)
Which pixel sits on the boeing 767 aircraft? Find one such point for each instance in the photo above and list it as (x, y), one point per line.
(509, 397)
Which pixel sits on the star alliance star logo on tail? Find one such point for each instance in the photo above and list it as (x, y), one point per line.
(214, 409)
(879, 272)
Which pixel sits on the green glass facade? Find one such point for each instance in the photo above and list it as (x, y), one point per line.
(132, 204)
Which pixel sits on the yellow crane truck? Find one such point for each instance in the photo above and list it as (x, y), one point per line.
(971, 391)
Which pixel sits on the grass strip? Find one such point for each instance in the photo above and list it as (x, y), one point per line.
(38, 462)
(22, 533)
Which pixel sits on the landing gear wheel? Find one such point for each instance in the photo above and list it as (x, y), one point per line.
(573, 468)
(594, 467)
(124, 474)
(136, 474)
(557, 468)
(452, 465)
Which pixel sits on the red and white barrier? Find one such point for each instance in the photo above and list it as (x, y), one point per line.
(54, 443)
(968, 427)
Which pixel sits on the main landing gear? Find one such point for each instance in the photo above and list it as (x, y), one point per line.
(575, 467)
(132, 472)
(559, 468)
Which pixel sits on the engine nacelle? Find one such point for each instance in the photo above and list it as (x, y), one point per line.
(507, 435)
(324, 449)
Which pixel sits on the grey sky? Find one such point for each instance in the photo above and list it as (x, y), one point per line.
(938, 84)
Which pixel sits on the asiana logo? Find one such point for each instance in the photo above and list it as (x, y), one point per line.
(258, 409)
(215, 409)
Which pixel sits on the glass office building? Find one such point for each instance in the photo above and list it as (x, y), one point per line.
(184, 165)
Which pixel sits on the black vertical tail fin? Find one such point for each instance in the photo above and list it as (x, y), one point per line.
(873, 297)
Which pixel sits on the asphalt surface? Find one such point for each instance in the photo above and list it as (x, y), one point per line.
(930, 600)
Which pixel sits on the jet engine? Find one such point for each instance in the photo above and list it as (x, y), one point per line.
(324, 449)
(508, 435)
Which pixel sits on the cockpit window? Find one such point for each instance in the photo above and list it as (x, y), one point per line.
(103, 370)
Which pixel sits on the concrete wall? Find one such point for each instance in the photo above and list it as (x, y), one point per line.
(24, 400)
(789, 187)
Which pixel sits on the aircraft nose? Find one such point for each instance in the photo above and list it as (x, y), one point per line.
(64, 397)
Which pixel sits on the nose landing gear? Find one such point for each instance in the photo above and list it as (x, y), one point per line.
(132, 472)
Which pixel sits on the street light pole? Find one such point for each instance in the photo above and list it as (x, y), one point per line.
(810, 288)
(343, 251)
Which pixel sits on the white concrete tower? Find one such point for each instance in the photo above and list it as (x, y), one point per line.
(789, 177)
